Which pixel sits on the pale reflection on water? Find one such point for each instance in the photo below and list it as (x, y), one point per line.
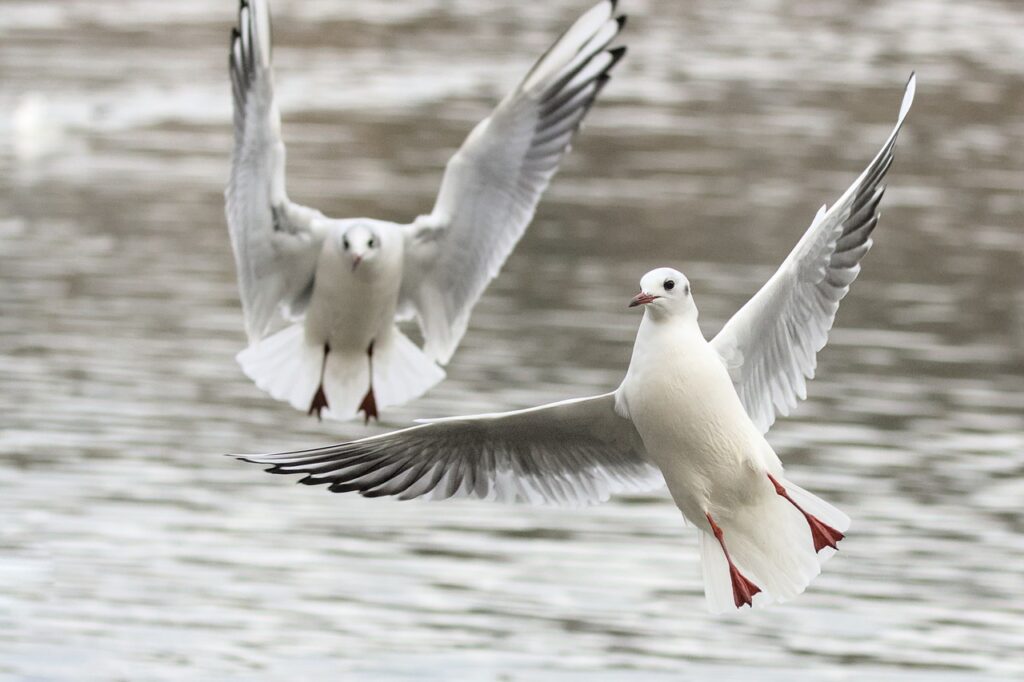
(130, 549)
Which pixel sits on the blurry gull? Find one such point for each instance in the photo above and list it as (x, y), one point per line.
(345, 283)
(689, 413)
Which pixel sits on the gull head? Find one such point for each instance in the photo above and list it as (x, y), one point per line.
(361, 244)
(665, 292)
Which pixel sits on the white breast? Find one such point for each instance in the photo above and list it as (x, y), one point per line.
(682, 401)
(350, 308)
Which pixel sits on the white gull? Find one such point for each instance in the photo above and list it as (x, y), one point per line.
(345, 283)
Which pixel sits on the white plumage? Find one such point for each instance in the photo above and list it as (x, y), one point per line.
(689, 413)
(346, 282)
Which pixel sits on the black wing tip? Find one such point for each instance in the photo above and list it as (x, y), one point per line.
(617, 54)
(251, 459)
(621, 20)
(255, 459)
(615, 4)
(242, 6)
(344, 487)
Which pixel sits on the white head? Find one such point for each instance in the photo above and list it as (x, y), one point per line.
(665, 292)
(360, 243)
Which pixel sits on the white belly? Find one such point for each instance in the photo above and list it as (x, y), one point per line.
(695, 429)
(351, 308)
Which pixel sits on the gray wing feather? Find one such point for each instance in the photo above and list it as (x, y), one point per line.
(568, 453)
(491, 186)
(770, 345)
(275, 241)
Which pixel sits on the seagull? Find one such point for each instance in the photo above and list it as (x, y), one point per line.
(344, 284)
(689, 413)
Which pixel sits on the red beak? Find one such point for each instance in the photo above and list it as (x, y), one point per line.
(642, 299)
(356, 261)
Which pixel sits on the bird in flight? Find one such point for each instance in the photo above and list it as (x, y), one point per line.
(689, 413)
(345, 283)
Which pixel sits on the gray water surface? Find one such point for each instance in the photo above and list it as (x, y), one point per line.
(130, 548)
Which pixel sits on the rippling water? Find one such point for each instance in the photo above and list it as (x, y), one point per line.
(131, 549)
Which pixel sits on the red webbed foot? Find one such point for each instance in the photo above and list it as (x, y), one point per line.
(369, 407)
(319, 403)
(743, 590)
(822, 534)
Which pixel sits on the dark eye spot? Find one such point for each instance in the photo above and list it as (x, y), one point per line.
(344, 242)
(370, 243)
(669, 285)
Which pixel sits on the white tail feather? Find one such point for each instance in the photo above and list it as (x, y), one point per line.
(401, 371)
(287, 366)
(346, 381)
(717, 585)
(770, 543)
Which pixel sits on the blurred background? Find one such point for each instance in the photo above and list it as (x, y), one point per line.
(130, 548)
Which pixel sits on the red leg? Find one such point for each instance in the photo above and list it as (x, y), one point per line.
(823, 534)
(320, 398)
(743, 590)
(369, 405)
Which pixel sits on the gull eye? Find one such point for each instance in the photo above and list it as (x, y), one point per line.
(370, 243)
(344, 242)
(669, 285)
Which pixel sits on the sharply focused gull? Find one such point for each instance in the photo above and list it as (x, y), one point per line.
(345, 283)
(689, 413)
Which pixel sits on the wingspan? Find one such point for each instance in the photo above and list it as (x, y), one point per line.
(275, 241)
(569, 453)
(493, 183)
(770, 345)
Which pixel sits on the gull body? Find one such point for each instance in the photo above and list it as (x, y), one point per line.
(722, 473)
(690, 413)
(355, 293)
(346, 283)
(679, 396)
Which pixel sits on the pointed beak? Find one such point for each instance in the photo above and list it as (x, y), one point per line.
(355, 262)
(642, 299)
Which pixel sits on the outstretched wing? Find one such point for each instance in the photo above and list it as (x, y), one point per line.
(493, 183)
(770, 344)
(571, 453)
(275, 241)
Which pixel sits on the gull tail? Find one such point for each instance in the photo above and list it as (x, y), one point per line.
(285, 365)
(401, 371)
(778, 544)
(291, 369)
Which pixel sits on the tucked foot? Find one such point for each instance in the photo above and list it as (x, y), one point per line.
(319, 403)
(822, 534)
(743, 590)
(369, 407)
